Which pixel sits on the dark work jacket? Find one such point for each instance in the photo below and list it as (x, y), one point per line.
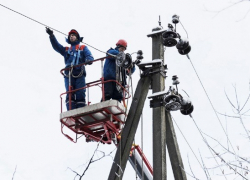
(85, 54)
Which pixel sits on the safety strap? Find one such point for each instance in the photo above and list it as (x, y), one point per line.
(76, 54)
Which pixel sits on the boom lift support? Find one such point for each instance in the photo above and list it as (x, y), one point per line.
(143, 169)
(104, 121)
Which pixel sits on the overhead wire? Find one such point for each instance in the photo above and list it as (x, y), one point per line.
(32, 19)
(183, 28)
(64, 35)
(189, 144)
(54, 30)
(211, 149)
(186, 141)
(205, 140)
(47, 26)
(207, 94)
(210, 102)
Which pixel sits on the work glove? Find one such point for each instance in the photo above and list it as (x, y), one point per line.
(88, 62)
(49, 31)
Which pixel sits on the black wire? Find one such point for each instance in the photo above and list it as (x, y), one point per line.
(205, 140)
(184, 29)
(32, 19)
(94, 48)
(47, 26)
(211, 103)
(186, 141)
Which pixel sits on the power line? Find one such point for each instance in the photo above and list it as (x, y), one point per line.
(186, 141)
(33, 19)
(204, 139)
(47, 26)
(210, 102)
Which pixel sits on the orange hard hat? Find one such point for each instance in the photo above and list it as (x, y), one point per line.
(122, 42)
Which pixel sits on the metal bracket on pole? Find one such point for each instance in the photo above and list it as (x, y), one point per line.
(157, 99)
(153, 67)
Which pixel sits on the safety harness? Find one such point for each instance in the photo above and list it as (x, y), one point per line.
(76, 58)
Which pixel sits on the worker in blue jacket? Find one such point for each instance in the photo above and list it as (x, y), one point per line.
(112, 90)
(73, 55)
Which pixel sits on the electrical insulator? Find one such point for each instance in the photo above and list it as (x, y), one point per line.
(169, 37)
(175, 80)
(175, 19)
(183, 46)
(172, 103)
(186, 106)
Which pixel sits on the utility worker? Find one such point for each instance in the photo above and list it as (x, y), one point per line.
(113, 72)
(73, 55)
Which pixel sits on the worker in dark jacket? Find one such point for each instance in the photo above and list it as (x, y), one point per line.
(112, 90)
(73, 55)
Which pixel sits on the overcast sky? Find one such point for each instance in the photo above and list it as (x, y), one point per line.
(31, 83)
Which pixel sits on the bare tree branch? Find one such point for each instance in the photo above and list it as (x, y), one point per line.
(245, 103)
(244, 16)
(14, 173)
(246, 112)
(246, 169)
(191, 170)
(223, 9)
(204, 167)
(190, 167)
(103, 155)
(228, 150)
(238, 110)
(92, 160)
(74, 172)
(229, 100)
(237, 100)
(222, 160)
(228, 115)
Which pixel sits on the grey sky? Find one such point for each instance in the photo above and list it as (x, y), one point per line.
(30, 133)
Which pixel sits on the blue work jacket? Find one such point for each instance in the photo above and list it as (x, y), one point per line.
(85, 54)
(110, 65)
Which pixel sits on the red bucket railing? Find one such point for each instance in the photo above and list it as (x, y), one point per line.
(91, 84)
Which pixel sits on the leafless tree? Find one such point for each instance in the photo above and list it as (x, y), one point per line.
(217, 12)
(231, 161)
(14, 173)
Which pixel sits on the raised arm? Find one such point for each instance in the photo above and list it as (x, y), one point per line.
(55, 44)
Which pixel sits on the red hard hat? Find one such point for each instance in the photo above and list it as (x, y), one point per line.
(73, 31)
(122, 42)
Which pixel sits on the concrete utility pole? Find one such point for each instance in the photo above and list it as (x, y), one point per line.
(163, 129)
(159, 122)
(173, 150)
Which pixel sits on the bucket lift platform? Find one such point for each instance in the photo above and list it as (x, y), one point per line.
(97, 122)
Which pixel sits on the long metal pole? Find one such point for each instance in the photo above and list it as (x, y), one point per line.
(70, 89)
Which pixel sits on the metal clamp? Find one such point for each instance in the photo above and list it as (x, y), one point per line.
(153, 67)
